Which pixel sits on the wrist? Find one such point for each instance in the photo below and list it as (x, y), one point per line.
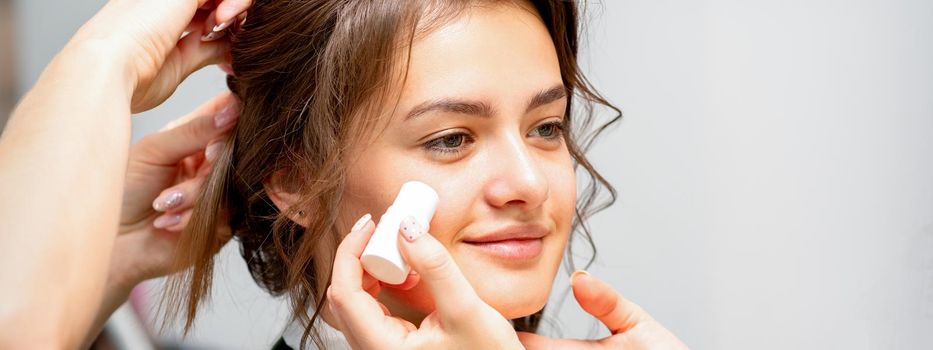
(121, 280)
(101, 60)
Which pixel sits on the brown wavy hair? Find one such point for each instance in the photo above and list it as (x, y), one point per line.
(305, 74)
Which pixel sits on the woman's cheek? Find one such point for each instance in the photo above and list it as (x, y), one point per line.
(457, 198)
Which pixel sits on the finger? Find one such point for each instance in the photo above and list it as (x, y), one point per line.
(208, 5)
(179, 197)
(211, 153)
(410, 282)
(192, 133)
(200, 165)
(600, 300)
(189, 55)
(371, 285)
(361, 314)
(228, 10)
(364, 318)
(188, 167)
(533, 341)
(172, 222)
(385, 310)
(212, 29)
(199, 17)
(453, 295)
(226, 67)
(341, 325)
(348, 271)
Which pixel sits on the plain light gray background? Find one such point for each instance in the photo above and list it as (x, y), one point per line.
(774, 166)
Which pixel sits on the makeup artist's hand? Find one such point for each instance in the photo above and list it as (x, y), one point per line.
(163, 178)
(461, 319)
(631, 326)
(143, 35)
(68, 138)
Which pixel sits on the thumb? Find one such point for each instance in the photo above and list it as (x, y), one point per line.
(453, 295)
(189, 55)
(599, 299)
(533, 341)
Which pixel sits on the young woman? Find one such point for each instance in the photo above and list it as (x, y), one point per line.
(343, 102)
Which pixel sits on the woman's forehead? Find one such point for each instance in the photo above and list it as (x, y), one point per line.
(498, 54)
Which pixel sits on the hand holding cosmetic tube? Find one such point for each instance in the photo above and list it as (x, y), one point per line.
(460, 319)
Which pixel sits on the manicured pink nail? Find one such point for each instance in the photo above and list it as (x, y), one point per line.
(411, 229)
(225, 117)
(166, 220)
(212, 36)
(361, 222)
(213, 150)
(168, 200)
(224, 25)
(242, 18)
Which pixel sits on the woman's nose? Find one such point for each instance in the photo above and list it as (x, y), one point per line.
(516, 176)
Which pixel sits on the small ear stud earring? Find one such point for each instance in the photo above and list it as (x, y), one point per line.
(301, 213)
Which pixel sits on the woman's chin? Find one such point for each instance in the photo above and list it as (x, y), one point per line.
(515, 302)
(513, 294)
(513, 289)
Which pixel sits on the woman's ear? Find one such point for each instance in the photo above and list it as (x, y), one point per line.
(284, 195)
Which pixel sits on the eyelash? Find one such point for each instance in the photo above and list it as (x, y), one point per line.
(436, 144)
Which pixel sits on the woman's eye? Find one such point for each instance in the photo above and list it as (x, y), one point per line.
(450, 143)
(549, 130)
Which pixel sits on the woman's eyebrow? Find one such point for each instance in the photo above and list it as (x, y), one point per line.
(552, 94)
(483, 108)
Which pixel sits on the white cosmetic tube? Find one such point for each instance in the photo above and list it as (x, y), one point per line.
(381, 257)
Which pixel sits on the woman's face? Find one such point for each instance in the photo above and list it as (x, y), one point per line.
(479, 120)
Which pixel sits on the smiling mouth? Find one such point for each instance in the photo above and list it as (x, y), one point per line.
(511, 249)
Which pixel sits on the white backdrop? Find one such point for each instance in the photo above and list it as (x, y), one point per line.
(774, 166)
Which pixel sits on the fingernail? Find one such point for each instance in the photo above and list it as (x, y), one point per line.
(167, 200)
(226, 68)
(212, 36)
(361, 222)
(224, 25)
(580, 273)
(225, 117)
(166, 221)
(411, 229)
(242, 17)
(213, 150)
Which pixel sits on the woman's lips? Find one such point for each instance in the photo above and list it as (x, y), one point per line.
(512, 249)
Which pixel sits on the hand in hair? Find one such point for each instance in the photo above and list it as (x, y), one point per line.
(630, 325)
(461, 319)
(63, 158)
(148, 38)
(175, 162)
